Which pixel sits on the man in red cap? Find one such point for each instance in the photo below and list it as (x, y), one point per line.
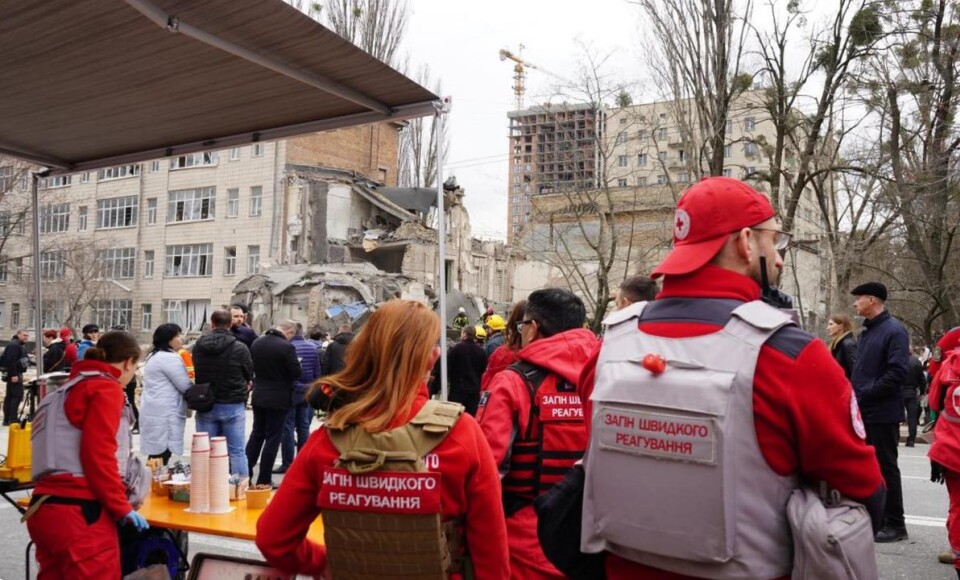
(670, 432)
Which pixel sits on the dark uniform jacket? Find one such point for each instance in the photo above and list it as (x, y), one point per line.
(916, 380)
(883, 355)
(332, 362)
(12, 358)
(275, 368)
(219, 359)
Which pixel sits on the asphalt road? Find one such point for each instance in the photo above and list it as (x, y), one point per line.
(913, 559)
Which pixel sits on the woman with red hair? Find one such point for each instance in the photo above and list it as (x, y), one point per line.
(366, 466)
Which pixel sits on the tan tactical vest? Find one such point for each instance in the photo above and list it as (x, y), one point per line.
(675, 478)
(377, 543)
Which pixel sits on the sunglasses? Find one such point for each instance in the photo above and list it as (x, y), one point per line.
(781, 240)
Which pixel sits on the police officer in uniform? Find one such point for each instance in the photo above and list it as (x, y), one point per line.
(708, 406)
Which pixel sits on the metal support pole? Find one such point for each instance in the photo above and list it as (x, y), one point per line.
(38, 301)
(443, 107)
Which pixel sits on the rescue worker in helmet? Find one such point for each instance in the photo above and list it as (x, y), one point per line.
(80, 494)
(461, 319)
(944, 453)
(496, 325)
(533, 419)
(714, 496)
(388, 458)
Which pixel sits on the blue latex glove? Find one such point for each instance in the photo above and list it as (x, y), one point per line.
(136, 520)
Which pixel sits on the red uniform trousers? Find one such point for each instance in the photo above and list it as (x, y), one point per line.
(68, 547)
(953, 516)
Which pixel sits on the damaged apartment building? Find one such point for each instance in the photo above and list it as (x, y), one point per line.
(351, 243)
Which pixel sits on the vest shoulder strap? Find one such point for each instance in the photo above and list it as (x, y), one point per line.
(755, 322)
(400, 449)
(533, 377)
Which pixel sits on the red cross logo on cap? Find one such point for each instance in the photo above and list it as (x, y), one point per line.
(681, 227)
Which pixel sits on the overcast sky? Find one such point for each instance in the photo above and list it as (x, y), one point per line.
(460, 42)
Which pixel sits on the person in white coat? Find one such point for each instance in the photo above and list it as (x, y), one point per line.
(163, 411)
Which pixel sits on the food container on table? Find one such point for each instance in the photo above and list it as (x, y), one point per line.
(257, 497)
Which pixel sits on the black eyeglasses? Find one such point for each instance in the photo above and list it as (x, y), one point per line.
(521, 324)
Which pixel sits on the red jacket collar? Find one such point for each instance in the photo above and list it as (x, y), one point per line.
(711, 282)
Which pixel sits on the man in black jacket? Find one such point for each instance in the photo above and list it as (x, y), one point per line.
(913, 385)
(883, 355)
(239, 327)
(466, 362)
(15, 361)
(223, 362)
(333, 357)
(276, 368)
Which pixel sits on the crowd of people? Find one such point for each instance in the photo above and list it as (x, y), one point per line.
(675, 445)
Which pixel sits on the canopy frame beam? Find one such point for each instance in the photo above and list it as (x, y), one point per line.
(170, 22)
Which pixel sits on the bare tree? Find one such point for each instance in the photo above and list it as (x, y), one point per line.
(589, 230)
(696, 52)
(911, 86)
(76, 279)
(14, 212)
(417, 157)
(376, 26)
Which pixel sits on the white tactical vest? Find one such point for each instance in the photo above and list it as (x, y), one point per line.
(675, 478)
(55, 442)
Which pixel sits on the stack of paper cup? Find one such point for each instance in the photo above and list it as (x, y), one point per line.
(200, 473)
(219, 476)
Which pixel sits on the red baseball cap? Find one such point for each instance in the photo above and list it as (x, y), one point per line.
(707, 213)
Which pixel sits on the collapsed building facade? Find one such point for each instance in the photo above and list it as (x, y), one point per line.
(350, 244)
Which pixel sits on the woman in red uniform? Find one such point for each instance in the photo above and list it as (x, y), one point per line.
(385, 381)
(74, 525)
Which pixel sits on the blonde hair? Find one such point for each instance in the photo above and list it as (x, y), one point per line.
(385, 366)
(844, 321)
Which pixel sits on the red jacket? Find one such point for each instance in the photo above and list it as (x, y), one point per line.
(470, 489)
(803, 414)
(505, 412)
(945, 449)
(94, 406)
(501, 358)
(69, 353)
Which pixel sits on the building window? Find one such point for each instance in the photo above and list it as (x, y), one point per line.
(662, 133)
(622, 182)
(18, 269)
(53, 266)
(146, 317)
(662, 156)
(110, 313)
(148, 264)
(55, 181)
(727, 151)
(749, 124)
(151, 211)
(205, 159)
(82, 218)
(117, 212)
(682, 155)
(117, 263)
(642, 181)
(55, 218)
(749, 171)
(728, 172)
(661, 180)
(233, 202)
(187, 314)
(154, 166)
(14, 315)
(750, 149)
(6, 178)
(51, 313)
(256, 200)
(190, 205)
(728, 126)
(621, 137)
(3, 272)
(623, 161)
(189, 260)
(230, 261)
(2, 304)
(257, 149)
(623, 120)
(85, 177)
(118, 172)
(683, 177)
(642, 159)
(253, 259)
(234, 154)
(643, 135)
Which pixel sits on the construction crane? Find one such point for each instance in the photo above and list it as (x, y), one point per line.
(520, 73)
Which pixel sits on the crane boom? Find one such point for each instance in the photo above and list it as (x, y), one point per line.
(520, 73)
